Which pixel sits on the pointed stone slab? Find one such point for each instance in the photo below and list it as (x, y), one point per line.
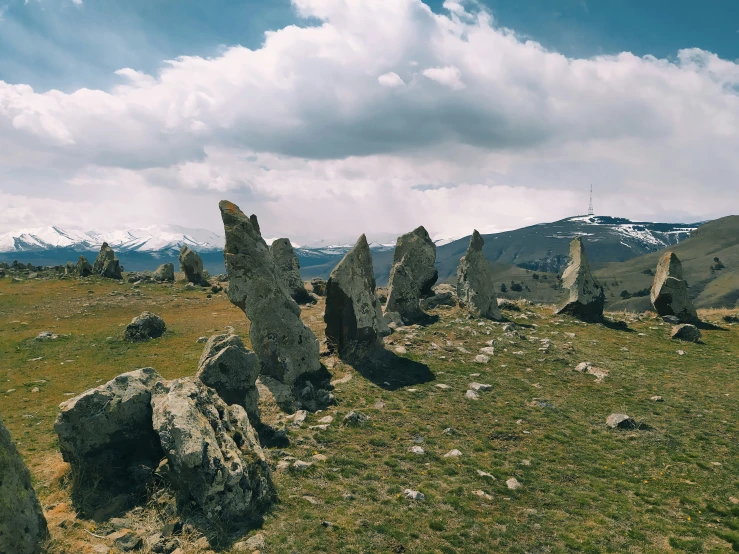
(289, 265)
(586, 297)
(475, 286)
(412, 275)
(669, 294)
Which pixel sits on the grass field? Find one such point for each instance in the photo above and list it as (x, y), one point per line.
(672, 485)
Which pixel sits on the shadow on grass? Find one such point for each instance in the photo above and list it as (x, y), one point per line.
(705, 326)
(391, 372)
(616, 325)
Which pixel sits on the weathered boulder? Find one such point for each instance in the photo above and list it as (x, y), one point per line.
(144, 327)
(353, 315)
(438, 299)
(686, 332)
(106, 434)
(230, 368)
(191, 264)
(669, 294)
(106, 264)
(475, 287)
(287, 349)
(83, 267)
(164, 272)
(586, 296)
(319, 286)
(289, 266)
(22, 522)
(412, 275)
(213, 452)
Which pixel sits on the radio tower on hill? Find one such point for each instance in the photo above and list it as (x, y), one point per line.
(590, 206)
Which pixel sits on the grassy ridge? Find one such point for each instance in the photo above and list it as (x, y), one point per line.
(667, 486)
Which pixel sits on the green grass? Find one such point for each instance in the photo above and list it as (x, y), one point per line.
(585, 488)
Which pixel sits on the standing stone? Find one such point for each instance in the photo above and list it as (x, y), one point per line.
(669, 292)
(83, 267)
(475, 287)
(353, 316)
(213, 452)
(412, 275)
(289, 266)
(586, 296)
(227, 366)
(686, 332)
(287, 349)
(106, 264)
(106, 434)
(191, 264)
(22, 523)
(164, 272)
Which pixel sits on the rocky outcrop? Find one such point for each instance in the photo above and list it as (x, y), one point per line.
(353, 315)
(164, 272)
(319, 286)
(83, 267)
(106, 264)
(144, 327)
(22, 523)
(192, 266)
(669, 294)
(227, 366)
(287, 349)
(289, 266)
(212, 450)
(412, 275)
(475, 287)
(586, 297)
(106, 434)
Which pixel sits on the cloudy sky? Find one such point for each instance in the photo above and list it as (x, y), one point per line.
(329, 118)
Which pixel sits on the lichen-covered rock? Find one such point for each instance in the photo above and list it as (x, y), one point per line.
(353, 315)
(106, 434)
(230, 368)
(144, 327)
(412, 275)
(686, 332)
(22, 522)
(287, 349)
(586, 297)
(83, 267)
(106, 264)
(319, 286)
(289, 266)
(438, 299)
(213, 452)
(669, 294)
(475, 287)
(164, 272)
(191, 264)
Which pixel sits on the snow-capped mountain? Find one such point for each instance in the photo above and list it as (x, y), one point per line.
(154, 238)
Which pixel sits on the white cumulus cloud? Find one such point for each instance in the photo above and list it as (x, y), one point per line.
(390, 80)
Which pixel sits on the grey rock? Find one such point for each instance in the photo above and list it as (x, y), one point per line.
(354, 418)
(353, 315)
(438, 299)
(414, 495)
(106, 264)
(620, 421)
(669, 294)
(83, 267)
(319, 286)
(22, 523)
(214, 454)
(513, 484)
(191, 264)
(106, 434)
(144, 327)
(505, 304)
(686, 332)
(412, 275)
(287, 349)
(475, 287)
(227, 366)
(126, 540)
(289, 267)
(164, 273)
(586, 297)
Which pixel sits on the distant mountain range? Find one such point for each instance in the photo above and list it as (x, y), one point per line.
(541, 247)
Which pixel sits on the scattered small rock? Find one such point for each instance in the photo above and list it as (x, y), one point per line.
(453, 454)
(620, 421)
(513, 484)
(414, 495)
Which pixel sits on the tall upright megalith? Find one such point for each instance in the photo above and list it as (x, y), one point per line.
(353, 315)
(586, 297)
(289, 266)
(475, 287)
(287, 349)
(669, 294)
(412, 275)
(22, 523)
(106, 263)
(191, 264)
